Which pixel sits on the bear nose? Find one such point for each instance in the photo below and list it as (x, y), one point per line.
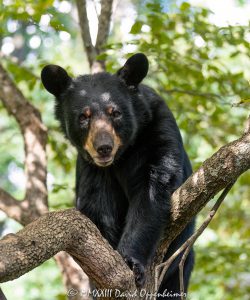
(104, 150)
(103, 143)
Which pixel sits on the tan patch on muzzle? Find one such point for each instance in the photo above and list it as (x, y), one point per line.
(104, 126)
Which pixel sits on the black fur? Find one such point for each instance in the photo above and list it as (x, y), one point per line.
(128, 200)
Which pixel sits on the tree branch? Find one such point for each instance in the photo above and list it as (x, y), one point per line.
(35, 138)
(67, 230)
(2, 296)
(215, 174)
(85, 31)
(15, 209)
(104, 24)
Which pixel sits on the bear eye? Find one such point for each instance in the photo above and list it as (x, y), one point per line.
(83, 118)
(116, 113)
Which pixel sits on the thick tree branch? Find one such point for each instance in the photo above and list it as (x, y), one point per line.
(215, 174)
(69, 230)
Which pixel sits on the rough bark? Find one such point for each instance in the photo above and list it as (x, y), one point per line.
(215, 174)
(71, 231)
(104, 19)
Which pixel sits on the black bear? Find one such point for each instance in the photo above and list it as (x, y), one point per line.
(130, 160)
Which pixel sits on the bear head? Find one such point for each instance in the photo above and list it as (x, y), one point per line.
(96, 112)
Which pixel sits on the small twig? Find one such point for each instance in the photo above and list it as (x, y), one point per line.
(188, 245)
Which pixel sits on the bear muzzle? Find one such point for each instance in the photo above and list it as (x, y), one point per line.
(102, 143)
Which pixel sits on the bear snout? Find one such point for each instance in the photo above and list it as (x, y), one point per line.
(103, 143)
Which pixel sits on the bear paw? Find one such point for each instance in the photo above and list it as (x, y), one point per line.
(138, 269)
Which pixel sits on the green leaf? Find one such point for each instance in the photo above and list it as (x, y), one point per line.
(136, 28)
(185, 6)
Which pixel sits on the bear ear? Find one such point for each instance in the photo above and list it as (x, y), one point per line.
(55, 79)
(134, 70)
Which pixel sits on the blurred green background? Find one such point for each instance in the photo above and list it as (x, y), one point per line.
(199, 62)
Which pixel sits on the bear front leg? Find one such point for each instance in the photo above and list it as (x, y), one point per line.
(148, 213)
(144, 224)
